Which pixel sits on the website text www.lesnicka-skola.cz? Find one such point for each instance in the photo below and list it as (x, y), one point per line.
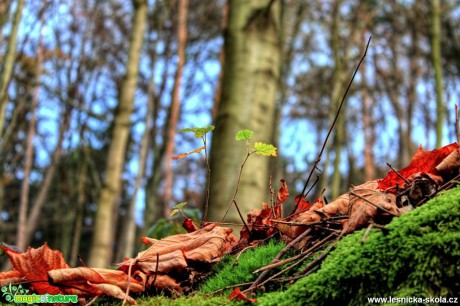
(413, 300)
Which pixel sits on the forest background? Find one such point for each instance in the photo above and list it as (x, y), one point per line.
(92, 94)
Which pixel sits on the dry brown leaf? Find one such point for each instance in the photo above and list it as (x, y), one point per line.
(163, 281)
(71, 276)
(366, 202)
(204, 245)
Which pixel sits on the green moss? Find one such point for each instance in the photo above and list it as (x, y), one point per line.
(191, 300)
(229, 274)
(420, 256)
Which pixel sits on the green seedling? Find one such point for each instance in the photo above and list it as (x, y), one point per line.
(258, 148)
(200, 133)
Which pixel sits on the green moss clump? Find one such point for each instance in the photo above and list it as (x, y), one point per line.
(249, 261)
(420, 256)
(191, 300)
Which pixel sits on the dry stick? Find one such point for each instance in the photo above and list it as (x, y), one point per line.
(398, 174)
(368, 230)
(309, 251)
(156, 270)
(318, 159)
(303, 254)
(129, 280)
(373, 204)
(457, 124)
(278, 257)
(93, 300)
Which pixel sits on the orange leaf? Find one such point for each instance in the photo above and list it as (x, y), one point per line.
(282, 196)
(183, 155)
(34, 265)
(7, 277)
(237, 295)
(423, 161)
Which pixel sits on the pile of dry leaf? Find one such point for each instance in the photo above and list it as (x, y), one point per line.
(176, 262)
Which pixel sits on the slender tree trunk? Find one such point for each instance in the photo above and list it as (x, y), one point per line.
(32, 221)
(78, 222)
(25, 186)
(368, 124)
(218, 91)
(249, 92)
(437, 64)
(175, 105)
(101, 245)
(152, 210)
(8, 64)
(128, 234)
(335, 100)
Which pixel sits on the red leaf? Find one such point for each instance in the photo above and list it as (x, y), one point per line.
(237, 295)
(423, 161)
(34, 265)
(189, 225)
(283, 195)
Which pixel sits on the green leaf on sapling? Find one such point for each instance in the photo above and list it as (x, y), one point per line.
(244, 135)
(264, 149)
(198, 131)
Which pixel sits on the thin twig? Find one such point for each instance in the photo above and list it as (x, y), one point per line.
(398, 174)
(129, 280)
(318, 159)
(305, 254)
(457, 124)
(156, 269)
(93, 300)
(368, 230)
(278, 257)
(233, 201)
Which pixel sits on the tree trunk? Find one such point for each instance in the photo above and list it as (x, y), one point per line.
(78, 222)
(32, 221)
(24, 198)
(250, 87)
(437, 65)
(175, 105)
(101, 245)
(368, 124)
(339, 130)
(8, 63)
(128, 234)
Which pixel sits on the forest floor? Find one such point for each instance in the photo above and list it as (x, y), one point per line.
(418, 255)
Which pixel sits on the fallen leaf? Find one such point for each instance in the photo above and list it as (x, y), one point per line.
(204, 245)
(34, 265)
(423, 161)
(237, 295)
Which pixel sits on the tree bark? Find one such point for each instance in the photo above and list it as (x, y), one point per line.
(339, 131)
(128, 235)
(437, 65)
(250, 87)
(101, 245)
(25, 187)
(175, 105)
(8, 63)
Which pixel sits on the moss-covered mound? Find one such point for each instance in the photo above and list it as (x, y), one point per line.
(420, 256)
